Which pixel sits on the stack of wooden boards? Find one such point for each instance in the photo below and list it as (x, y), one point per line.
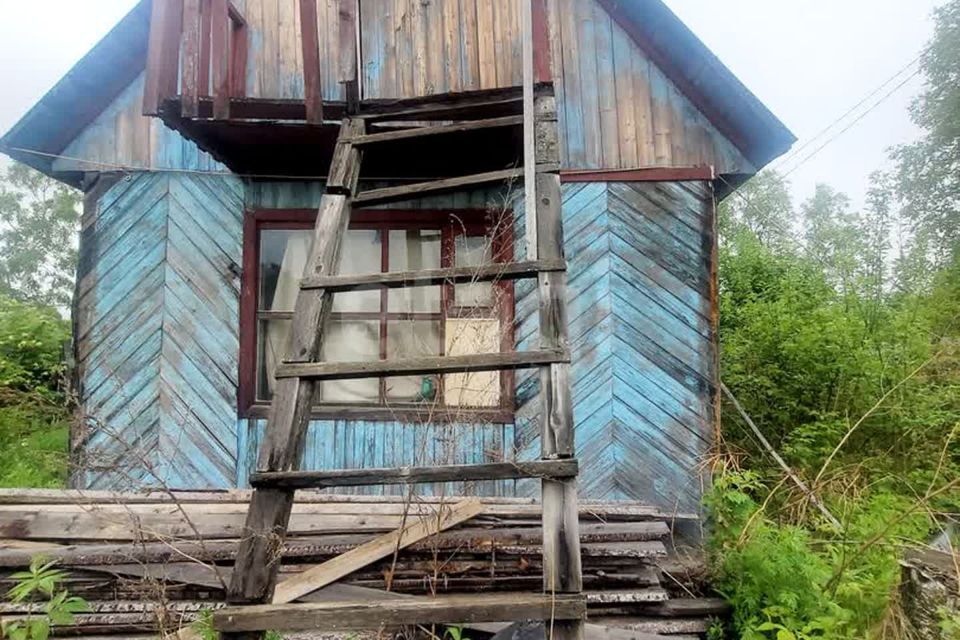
(152, 561)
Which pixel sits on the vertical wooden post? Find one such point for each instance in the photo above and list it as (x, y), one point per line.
(190, 67)
(349, 55)
(220, 54)
(163, 54)
(312, 91)
(562, 571)
(255, 570)
(205, 32)
(239, 44)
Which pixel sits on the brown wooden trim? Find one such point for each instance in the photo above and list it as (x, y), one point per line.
(190, 64)
(163, 54)
(542, 71)
(313, 94)
(220, 55)
(206, 26)
(239, 44)
(247, 375)
(650, 174)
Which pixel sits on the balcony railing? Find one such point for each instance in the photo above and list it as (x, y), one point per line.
(198, 53)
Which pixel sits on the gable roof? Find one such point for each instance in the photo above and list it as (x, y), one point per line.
(81, 95)
(101, 75)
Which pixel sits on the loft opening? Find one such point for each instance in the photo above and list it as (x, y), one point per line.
(383, 324)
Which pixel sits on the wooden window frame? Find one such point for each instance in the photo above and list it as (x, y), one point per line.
(470, 221)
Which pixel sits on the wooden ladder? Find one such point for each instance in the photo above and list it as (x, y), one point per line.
(561, 604)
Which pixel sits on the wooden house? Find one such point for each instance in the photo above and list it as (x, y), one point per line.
(200, 132)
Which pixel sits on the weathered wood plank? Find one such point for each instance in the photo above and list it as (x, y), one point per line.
(191, 59)
(312, 90)
(346, 563)
(220, 58)
(163, 54)
(407, 191)
(415, 475)
(419, 132)
(419, 366)
(429, 277)
(373, 615)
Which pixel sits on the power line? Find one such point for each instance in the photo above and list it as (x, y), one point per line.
(860, 103)
(852, 123)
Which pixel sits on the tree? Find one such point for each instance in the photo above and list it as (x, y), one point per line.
(38, 225)
(928, 170)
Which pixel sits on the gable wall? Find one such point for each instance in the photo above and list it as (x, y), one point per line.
(617, 110)
(122, 136)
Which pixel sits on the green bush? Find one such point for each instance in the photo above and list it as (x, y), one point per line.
(34, 417)
(31, 346)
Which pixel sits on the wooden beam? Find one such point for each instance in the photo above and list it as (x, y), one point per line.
(542, 69)
(348, 43)
(163, 54)
(506, 361)
(190, 67)
(414, 475)
(407, 191)
(336, 616)
(239, 47)
(220, 58)
(312, 91)
(206, 26)
(420, 132)
(646, 174)
(430, 277)
(377, 549)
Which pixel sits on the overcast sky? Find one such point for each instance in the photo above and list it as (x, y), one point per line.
(808, 61)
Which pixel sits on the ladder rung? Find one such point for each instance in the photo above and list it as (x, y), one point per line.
(426, 277)
(456, 106)
(420, 366)
(420, 132)
(566, 468)
(335, 616)
(407, 191)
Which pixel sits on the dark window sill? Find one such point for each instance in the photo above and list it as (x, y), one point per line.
(411, 415)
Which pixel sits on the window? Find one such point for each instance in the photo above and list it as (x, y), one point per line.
(382, 324)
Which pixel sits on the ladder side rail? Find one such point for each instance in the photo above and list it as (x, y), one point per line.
(257, 563)
(562, 571)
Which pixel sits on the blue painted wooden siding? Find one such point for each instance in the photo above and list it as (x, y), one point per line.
(156, 327)
(642, 343)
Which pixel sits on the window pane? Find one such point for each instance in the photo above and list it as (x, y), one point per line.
(473, 251)
(283, 253)
(351, 340)
(360, 254)
(465, 336)
(409, 339)
(272, 336)
(414, 250)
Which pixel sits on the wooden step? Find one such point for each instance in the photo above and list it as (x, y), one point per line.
(337, 616)
(413, 475)
(428, 277)
(443, 129)
(420, 366)
(416, 189)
